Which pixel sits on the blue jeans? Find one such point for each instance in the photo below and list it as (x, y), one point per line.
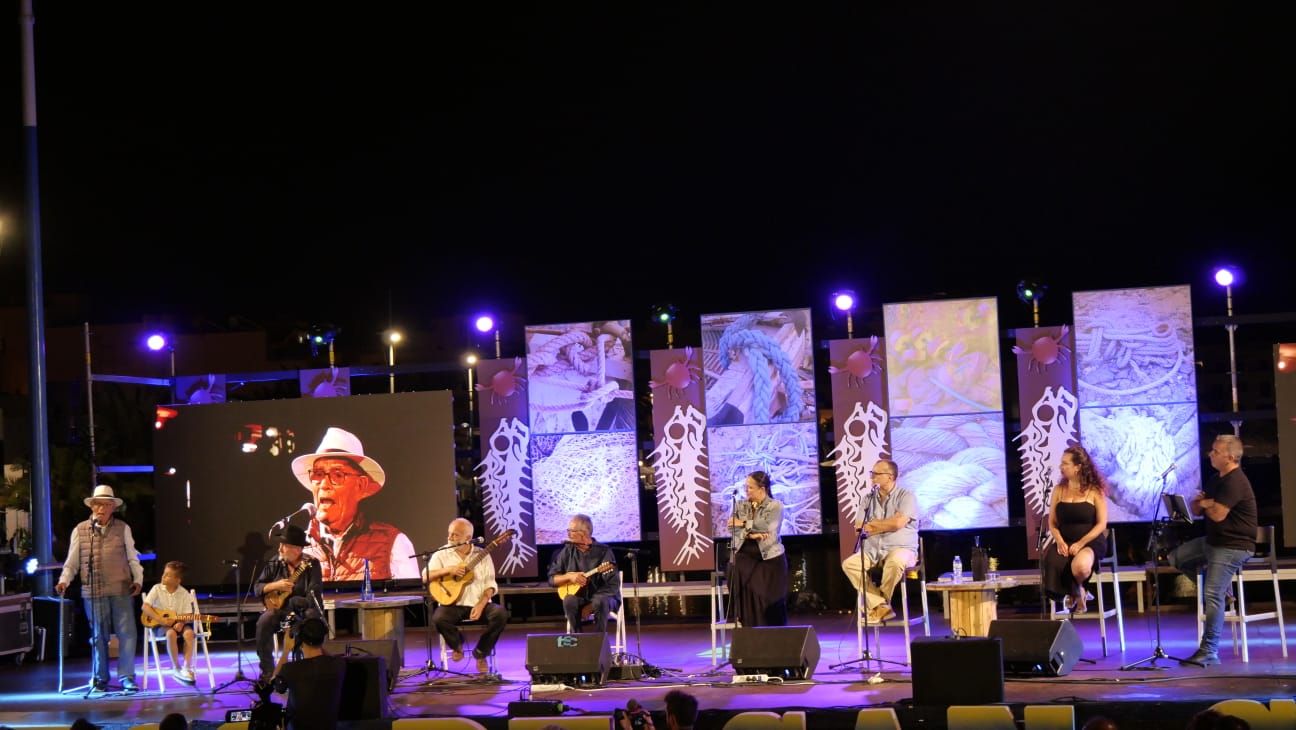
(1221, 565)
(116, 615)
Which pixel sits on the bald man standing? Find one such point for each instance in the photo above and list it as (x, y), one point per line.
(475, 601)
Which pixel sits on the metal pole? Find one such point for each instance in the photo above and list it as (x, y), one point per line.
(497, 344)
(670, 335)
(94, 465)
(1035, 310)
(1231, 327)
(330, 353)
(391, 363)
(42, 526)
(470, 403)
(850, 326)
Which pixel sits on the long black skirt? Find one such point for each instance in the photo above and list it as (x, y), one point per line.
(758, 588)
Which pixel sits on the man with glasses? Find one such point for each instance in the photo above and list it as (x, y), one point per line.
(294, 574)
(1229, 505)
(340, 476)
(578, 563)
(889, 535)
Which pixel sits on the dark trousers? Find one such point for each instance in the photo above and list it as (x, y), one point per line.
(447, 620)
(602, 607)
(267, 626)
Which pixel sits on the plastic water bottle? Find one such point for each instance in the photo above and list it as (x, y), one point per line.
(366, 592)
(958, 569)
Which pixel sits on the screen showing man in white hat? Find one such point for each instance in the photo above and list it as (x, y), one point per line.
(340, 477)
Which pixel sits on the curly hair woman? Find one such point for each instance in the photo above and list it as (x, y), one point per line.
(1078, 524)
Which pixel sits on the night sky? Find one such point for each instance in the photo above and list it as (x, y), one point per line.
(204, 160)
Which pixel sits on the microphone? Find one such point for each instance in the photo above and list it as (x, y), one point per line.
(1169, 469)
(308, 507)
(479, 540)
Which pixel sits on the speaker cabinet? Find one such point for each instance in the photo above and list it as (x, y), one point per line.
(1038, 647)
(576, 659)
(385, 648)
(364, 688)
(957, 671)
(790, 652)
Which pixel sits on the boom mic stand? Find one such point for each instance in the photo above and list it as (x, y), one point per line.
(238, 609)
(1153, 541)
(649, 669)
(866, 655)
(1041, 538)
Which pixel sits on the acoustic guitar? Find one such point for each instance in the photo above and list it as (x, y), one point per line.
(170, 617)
(572, 589)
(447, 589)
(274, 600)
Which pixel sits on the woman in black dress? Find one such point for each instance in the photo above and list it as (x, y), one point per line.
(758, 583)
(1078, 524)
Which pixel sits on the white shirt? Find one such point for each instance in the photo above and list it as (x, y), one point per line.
(181, 602)
(483, 573)
(72, 565)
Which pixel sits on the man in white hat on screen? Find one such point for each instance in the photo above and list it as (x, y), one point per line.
(340, 476)
(102, 551)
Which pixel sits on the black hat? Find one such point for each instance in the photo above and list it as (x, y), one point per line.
(294, 535)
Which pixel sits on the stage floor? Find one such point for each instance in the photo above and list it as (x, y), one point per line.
(30, 695)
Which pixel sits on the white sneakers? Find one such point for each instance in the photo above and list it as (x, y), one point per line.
(185, 675)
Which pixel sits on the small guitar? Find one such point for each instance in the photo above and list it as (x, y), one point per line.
(170, 617)
(274, 600)
(447, 589)
(572, 589)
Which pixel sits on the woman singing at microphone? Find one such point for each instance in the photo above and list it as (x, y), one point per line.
(759, 585)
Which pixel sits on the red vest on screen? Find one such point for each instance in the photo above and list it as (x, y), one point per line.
(365, 540)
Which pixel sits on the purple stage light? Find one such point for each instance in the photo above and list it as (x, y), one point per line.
(1224, 276)
(156, 342)
(485, 323)
(844, 300)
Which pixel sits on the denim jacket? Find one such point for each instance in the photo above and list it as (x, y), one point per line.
(767, 518)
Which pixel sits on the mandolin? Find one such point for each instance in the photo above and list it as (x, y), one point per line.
(274, 600)
(572, 589)
(447, 589)
(170, 617)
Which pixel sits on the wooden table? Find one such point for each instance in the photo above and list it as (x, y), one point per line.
(971, 605)
(383, 617)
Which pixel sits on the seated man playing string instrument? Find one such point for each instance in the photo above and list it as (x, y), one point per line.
(584, 572)
(289, 584)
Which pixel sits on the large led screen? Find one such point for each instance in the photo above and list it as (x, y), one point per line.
(227, 475)
(580, 390)
(760, 398)
(946, 396)
(1138, 394)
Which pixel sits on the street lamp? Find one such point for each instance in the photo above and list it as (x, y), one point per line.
(1226, 276)
(665, 314)
(844, 301)
(485, 323)
(157, 341)
(392, 338)
(1031, 292)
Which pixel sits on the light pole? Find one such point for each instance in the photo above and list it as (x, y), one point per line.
(392, 337)
(844, 301)
(1225, 277)
(157, 341)
(485, 323)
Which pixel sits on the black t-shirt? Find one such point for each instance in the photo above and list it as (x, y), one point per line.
(314, 691)
(1238, 530)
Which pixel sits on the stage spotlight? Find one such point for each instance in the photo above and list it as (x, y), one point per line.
(484, 323)
(1031, 292)
(470, 359)
(320, 335)
(1225, 276)
(393, 338)
(844, 300)
(156, 341)
(664, 313)
(33, 566)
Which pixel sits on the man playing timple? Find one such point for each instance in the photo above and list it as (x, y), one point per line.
(892, 539)
(340, 476)
(601, 592)
(1229, 505)
(293, 572)
(102, 551)
(475, 602)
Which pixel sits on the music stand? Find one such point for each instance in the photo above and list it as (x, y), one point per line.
(1176, 511)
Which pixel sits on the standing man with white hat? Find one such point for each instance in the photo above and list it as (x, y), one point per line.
(340, 476)
(102, 551)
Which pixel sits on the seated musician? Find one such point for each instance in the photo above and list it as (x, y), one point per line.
(177, 602)
(289, 584)
(314, 684)
(451, 569)
(589, 568)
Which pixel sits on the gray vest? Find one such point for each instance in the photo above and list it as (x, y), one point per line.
(105, 569)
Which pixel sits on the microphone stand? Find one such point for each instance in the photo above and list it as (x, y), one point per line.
(238, 609)
(1157, 651)
(429, 608)
(94, 617)
(867, 655)
(648, 668)
(1041, 537)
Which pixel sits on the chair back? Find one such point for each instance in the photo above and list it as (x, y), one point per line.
(919, 570)
(1265, 549)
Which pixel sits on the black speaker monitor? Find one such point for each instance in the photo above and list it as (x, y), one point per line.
(1038, 646)
(957, 671)
(788, 652)
(385, 648)
(580, 660)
